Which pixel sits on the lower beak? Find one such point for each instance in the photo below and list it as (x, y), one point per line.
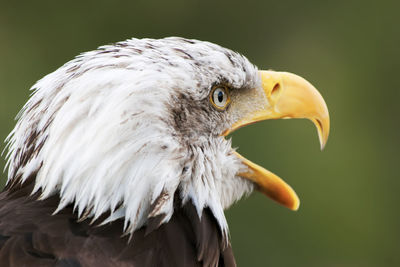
(286, 96)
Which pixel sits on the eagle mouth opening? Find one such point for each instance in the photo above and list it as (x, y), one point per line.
(286, 95)
(265, 181)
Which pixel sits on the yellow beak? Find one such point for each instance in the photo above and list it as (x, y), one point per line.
(287, 96)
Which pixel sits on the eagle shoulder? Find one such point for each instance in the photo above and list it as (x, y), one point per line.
(31, 236)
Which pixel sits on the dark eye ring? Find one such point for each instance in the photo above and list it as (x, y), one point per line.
(219, 97)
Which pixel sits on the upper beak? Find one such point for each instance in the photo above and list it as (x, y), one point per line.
(286, 96)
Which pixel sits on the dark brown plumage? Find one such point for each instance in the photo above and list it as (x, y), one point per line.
(31, 236)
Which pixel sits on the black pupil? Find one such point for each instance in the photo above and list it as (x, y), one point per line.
(220, 96)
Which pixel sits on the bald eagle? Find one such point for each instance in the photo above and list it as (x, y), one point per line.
(120, 156)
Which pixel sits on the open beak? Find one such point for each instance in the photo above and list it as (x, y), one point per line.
(286, 96)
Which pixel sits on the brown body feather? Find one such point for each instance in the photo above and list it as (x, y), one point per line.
(31, 236)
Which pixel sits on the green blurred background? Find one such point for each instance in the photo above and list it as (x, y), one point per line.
(349, 50)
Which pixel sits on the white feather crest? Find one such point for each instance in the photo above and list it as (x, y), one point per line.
(101, 150)
(99, 133)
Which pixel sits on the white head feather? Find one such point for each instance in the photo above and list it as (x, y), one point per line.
(114, 131)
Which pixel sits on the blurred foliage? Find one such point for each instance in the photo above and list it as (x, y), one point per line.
(348, 49)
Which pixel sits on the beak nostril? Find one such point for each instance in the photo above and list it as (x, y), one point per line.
(276, 89)
(275, 92)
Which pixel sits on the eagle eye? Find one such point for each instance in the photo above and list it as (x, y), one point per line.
(219, 97)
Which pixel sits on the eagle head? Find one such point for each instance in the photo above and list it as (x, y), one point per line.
(136, 128)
